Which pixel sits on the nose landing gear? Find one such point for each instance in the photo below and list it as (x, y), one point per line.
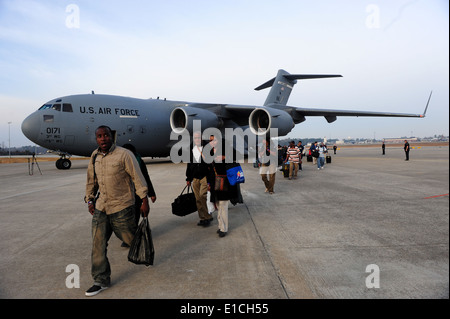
(63, 163)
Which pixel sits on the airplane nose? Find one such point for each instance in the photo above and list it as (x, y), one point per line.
(31, 127)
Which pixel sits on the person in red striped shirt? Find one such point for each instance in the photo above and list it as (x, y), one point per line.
(293, 157)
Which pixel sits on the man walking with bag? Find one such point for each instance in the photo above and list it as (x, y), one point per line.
(268, 169)
(293, 157)
(113, 177)
(196, 175)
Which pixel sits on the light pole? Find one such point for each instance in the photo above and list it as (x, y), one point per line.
(9, 138)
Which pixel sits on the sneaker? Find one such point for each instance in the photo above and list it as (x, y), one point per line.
(95, 289)
(222, 234)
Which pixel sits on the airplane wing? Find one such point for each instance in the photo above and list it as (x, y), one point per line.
(331, 115)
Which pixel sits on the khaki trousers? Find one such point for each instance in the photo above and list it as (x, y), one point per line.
(222, 215)
(269, 182)
(293, 167)
(270, 171)
(200, 188)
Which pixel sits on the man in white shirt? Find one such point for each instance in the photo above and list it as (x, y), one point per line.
(196, 172)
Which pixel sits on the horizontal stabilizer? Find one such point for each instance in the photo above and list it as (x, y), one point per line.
(310, 76)
(293, 77)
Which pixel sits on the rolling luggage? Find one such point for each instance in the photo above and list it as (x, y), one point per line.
(309, 158)
(328, 158)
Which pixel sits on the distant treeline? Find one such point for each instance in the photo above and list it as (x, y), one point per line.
(23, 150)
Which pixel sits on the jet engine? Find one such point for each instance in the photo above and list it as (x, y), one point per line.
(182, 118)
(261, 120)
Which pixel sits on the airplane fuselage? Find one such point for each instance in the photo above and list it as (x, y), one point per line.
(68, 124)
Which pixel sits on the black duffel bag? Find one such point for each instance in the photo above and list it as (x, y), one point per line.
(184, 204)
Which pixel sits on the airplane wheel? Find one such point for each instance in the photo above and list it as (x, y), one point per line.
(65, 163)
(58, 164)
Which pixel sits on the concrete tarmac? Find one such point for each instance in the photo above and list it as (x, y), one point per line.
(367, 226)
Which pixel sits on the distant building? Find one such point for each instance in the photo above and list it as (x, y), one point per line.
(400, 139)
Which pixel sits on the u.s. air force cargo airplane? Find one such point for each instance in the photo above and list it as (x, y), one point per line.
(66, 125)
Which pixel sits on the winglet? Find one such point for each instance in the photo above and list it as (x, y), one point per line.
(426, 107)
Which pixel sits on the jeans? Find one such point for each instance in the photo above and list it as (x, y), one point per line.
(123, 225)
(320, 162)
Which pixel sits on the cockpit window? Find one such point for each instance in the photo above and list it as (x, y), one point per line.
(67, 107)
(45, 107)
(56, 107)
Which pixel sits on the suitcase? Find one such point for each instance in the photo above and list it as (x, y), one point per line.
(309, 158)
(328, 159)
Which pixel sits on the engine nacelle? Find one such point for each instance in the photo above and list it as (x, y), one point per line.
(261, 120)
(182, 118)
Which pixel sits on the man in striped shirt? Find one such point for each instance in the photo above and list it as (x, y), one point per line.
(293, 156)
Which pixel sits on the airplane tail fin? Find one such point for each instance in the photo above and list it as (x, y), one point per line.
(283, 84)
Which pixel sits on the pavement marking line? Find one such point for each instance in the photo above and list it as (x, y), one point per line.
(436, 196)
(267, 253)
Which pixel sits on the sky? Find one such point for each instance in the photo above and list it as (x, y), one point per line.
(391, 55)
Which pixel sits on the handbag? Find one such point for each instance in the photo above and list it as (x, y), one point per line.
(220, 182)
(235, 175)
(184, 204)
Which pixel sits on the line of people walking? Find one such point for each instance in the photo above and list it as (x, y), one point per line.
(202, 176)
(118, 186)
